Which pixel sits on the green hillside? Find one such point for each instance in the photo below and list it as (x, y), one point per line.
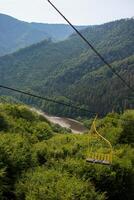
(70, 71)
(37, 162)
(16, 34)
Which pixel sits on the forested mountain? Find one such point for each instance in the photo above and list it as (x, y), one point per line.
(39, 161)
(70, 71)
(16, 34)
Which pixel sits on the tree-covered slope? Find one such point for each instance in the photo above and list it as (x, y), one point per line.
(16, 34)
(38, 163)
(70, 69)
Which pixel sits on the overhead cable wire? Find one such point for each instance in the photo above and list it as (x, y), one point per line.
(47, 99)
(60, 103)
(66, 104)
(93, 48)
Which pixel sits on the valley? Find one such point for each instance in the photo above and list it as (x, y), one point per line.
(66, 118)
(69, 71)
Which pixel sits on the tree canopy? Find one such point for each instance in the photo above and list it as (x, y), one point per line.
(38, 163)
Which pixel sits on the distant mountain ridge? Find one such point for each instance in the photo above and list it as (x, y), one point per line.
(56, 32)
(70, 72)
(16, 34)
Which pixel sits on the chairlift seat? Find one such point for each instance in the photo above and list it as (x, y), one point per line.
(104, 158)
(104, 162)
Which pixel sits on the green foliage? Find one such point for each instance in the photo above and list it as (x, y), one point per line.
(51, 184)
(3, 186)
(19, 118)
(127, 135)
(58, 129)
(21, 112)
(17, 150)
(3, 123)
(36, 163)
(43, 131)
(70, 69)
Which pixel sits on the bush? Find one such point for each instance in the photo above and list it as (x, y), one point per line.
(43, 131)
(52, 184)
(3, 123)
(127, 135)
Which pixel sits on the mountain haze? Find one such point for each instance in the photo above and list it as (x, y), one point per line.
(16, 34)
(70, 71)
(56, 31)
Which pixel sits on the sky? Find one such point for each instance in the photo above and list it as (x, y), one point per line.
(79, 12)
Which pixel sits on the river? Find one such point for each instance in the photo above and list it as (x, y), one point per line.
(75, 126)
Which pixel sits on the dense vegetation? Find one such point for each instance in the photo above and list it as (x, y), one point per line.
(69, 71)
(38, 163)
(16, 34)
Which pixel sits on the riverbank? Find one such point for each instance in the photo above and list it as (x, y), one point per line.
(74, 125)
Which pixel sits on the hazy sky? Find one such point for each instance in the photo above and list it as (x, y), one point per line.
(78, 11)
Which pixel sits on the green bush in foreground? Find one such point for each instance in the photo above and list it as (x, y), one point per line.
(51, 185)
(38, 164)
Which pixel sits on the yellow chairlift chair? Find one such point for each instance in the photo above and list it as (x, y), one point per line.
(95, 138)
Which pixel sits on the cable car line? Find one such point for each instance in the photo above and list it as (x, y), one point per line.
(59, 102)
(66, 104)
(47, 99)
(93, 48)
